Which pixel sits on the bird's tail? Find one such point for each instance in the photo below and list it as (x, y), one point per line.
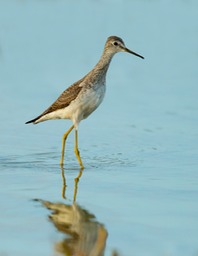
(33, 120)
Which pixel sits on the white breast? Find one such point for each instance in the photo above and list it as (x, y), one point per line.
(88, 100)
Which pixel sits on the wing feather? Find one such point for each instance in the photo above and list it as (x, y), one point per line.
(63, 100)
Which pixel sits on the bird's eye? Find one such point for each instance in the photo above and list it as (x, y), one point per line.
(115, 43)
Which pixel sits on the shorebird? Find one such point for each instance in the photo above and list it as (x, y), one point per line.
(79, 100)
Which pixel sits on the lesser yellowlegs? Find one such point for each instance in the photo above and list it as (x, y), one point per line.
(79, 100)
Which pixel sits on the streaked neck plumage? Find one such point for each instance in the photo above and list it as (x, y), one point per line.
(98, 73)
(105, 60)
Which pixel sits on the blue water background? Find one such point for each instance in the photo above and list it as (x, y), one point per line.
(140, 148)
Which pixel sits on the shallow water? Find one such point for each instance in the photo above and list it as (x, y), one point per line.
(138, 192)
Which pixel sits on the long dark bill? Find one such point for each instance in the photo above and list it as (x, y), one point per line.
(129, 51)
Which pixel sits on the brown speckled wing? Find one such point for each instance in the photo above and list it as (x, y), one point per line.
(63, 100)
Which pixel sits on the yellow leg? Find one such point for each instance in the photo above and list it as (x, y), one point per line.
(63, 144)
(77, 151)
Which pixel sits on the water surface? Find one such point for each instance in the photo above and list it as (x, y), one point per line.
(138, 192)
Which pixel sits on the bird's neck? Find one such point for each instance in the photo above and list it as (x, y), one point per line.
(100, 70)
(103, 63)
(98, 74)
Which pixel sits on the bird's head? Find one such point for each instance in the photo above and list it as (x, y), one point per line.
(115, 44)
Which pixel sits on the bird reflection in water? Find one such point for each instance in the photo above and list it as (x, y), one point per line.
(76, 180)
(84, 235)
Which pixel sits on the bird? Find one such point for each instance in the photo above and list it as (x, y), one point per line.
(83, 97)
